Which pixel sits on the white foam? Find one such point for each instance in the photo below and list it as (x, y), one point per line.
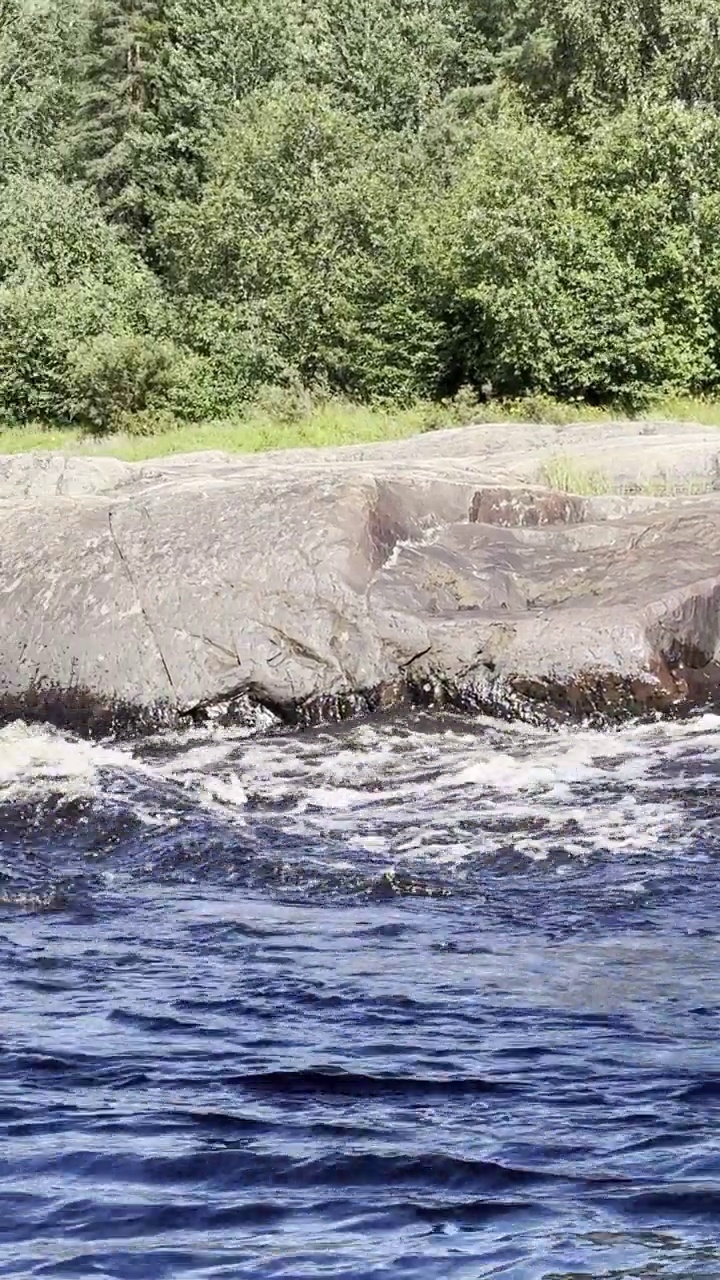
(407, 793)
(36, 761)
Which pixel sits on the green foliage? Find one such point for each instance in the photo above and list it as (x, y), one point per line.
(68, 287)
(539, 300)
(583, 58)
(307, 235)
(393, 59)
(50, 228)
(587, 272)
(37, 81)
(225, 50)
(261, 201)
(652, 174)
(45, 330)
(116, 376)
(136, 134)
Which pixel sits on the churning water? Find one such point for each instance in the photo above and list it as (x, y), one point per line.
(426, 998)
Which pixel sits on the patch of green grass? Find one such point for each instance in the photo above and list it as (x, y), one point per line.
(566, 475)
(337, 422)
(242, 435)
(664, 409)
(36, 436)
(334, 422)
(554, 413)
(685, 409)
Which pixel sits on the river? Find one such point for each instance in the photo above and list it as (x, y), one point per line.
(410, 998)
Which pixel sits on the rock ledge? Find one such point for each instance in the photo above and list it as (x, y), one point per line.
(305, 585)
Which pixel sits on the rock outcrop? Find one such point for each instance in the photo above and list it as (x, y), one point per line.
(308, 584)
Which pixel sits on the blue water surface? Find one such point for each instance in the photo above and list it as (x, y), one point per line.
(249, 1047)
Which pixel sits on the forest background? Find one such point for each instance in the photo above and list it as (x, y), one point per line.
(209, 207)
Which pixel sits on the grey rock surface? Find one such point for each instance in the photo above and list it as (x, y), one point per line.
(443, 569)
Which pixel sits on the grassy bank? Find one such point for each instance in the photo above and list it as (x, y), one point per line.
(332, 423)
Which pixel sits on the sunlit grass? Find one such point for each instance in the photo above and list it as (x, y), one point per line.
(338, 422)
(330, 424)
(566, 475)
(686, 409)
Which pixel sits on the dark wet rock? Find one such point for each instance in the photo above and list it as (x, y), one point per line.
(525, 508)
(296, 587)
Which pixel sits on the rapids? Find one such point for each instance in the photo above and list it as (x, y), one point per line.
(409, 998)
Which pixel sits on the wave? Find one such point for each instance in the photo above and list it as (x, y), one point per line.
(388, 807)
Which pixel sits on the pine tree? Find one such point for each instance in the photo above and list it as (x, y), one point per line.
(140, 125)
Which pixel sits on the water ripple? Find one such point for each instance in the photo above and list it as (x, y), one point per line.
(407, 999)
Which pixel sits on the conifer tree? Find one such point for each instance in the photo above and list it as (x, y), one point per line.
(139, 124)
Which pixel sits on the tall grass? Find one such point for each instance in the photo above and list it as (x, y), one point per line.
(567, 475)
(337, 422)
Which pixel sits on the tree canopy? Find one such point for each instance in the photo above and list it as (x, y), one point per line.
(387, 199)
